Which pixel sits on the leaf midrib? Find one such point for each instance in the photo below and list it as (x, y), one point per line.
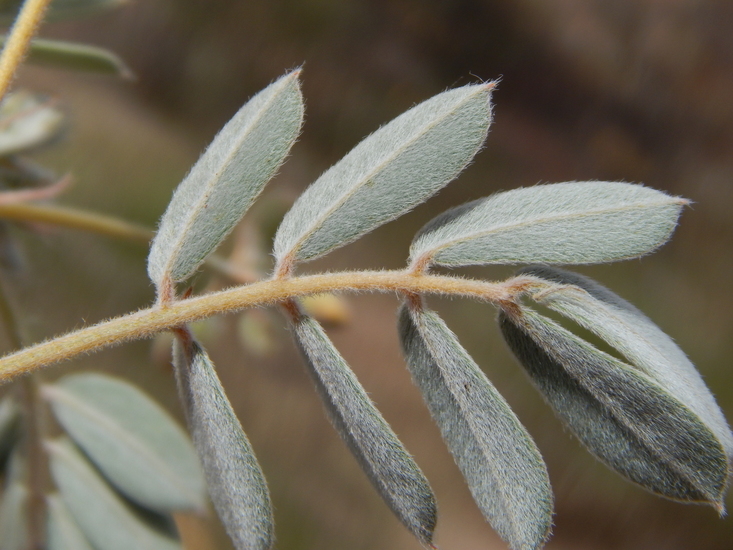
(206, 190)
(540, 220)
(468, 418)
(348, 193)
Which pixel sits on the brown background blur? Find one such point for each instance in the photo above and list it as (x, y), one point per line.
(634, 90)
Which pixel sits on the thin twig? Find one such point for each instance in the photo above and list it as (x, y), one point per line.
(75, 218)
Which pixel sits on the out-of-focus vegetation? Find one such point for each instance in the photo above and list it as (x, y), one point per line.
(636, 90)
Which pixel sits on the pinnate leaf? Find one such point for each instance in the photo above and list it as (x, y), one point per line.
(131, 439)
(502, 466)
(62, 531)
(388, 173)
(570, 223)
(381, 455)
(234, 478)
(627, 329)
(225, 181)
(623, 416)
(106, 520)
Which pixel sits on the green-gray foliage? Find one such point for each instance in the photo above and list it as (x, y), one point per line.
(225, 181)
(498, 458)
(393, 170)
(73, 56)
(388, 465)
(27, 120)
(625, 418)
(131, 439)
(107, 521)
(566, 223)
(236, 484)
(62, 531)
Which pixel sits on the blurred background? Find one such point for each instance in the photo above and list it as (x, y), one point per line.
(633, 90)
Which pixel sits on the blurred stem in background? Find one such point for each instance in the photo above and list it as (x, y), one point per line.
(24, 28)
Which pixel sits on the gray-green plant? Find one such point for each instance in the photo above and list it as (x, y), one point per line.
(123, 466)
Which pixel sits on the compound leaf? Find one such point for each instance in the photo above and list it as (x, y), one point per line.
(381, 455)
(623, 416)
(627, 329)
(106, 520)
(225, 181)
(570, 223)
(62, 531)
(388, 173)
(235, 481)
(131, 439)
(498, 458)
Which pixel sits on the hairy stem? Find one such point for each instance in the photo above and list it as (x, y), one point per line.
(146, 323)
(30, 16)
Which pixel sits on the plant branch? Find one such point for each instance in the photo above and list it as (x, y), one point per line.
(74, 218)
(148, 322)
(30, 16)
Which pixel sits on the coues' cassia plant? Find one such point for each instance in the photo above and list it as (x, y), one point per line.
(644, 411)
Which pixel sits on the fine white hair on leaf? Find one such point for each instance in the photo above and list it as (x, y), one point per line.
(389, 466)
(570, 223)
(498, 458)
(390, 172)
(225, 181)
(234, 479)
(624, 417)
(627, 329)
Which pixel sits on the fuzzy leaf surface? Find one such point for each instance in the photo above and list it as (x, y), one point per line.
(381, 455)
(62, 531)
(570, 223)
(106, 520)
(134, 442)
(642, 342)
(225, 181)
(234, 478)
(502, 466)
(390, 172)
(623, 416)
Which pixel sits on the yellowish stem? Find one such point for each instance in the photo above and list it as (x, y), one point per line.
(146, 323)
(30, 16)
(75, 219)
